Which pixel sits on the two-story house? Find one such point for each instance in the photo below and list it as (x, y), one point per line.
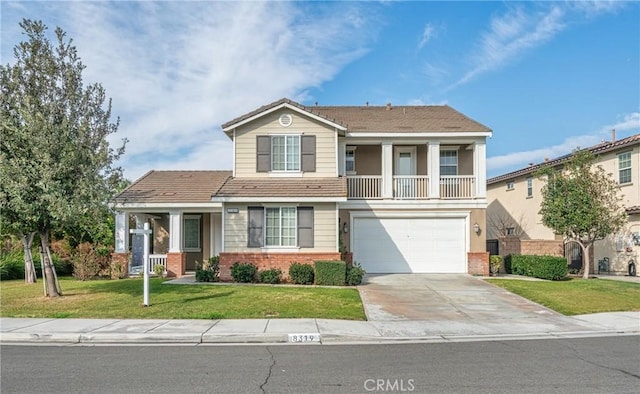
(514, 202)
(400, 189)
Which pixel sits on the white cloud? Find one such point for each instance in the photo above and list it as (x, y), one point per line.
(428, 33)
(514, 160)
(525, 27)
(177, 70)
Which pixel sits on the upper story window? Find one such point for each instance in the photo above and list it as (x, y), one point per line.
(191, 233)
(448, 162)
(510, 185)
(529, 187)
(350, 160)
(285, 153)
(624, 168)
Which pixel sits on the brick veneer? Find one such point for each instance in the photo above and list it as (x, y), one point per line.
(120, 258)
(270, 260)
(176, 264)
(540, 247)
(478, 263)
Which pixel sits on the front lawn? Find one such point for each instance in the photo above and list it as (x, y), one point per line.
(122, 299)
(577, 296)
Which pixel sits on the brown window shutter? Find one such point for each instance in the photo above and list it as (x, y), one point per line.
(255, 225)
(305, 227)
(263, 153)
(308, 150)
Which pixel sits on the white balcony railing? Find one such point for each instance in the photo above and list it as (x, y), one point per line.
(458, 186)
(410, 186)
(154, 259)
(365, 186)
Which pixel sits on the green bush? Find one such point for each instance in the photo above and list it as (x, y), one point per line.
(355, 274)
(271, 276)
(507, 264)
(89, 261)
(243, 272)
(208, 271)
(330, 273)
(12, 265)
(543, 267)
(301, 274)
(495, 263)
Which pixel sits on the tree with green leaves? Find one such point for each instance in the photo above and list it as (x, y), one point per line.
(581, 202)
(56, 165)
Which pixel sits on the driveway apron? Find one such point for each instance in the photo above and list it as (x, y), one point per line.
(393, 297)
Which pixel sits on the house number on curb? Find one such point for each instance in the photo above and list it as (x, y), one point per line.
(297, 338)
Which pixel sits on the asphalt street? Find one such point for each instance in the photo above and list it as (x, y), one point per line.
(586, 365)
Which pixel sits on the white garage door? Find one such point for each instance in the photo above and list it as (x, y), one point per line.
(404, 245)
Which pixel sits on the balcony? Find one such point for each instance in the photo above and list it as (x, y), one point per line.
(410, 187)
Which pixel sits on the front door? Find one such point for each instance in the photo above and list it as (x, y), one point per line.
(404, 182)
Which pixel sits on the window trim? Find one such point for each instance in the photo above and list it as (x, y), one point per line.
(286, 144)
(529, 187)
(353, 160)
(185, 218)
(627, 168)
(511, 185)
(280, 227)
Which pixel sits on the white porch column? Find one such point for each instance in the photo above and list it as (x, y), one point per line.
(175, 232)
(122, 232)
(342, 152)
(387, 170)
(480, 168)
(433, 168)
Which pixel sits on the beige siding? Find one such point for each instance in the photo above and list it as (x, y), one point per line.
(245, 144)
(515, 208)
(325, 226)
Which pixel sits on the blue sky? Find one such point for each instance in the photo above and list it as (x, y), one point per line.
(545, 76)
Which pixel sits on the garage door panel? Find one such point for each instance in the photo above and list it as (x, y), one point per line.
(420, 245)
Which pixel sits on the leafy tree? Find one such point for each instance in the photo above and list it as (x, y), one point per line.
(56, 163)
(582, 203)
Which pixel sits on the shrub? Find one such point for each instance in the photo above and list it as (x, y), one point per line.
(355, 274)
(243, 272)
(495, 263)
(89, 260)
(330, 273)
(208, 271)
(272, 276)
(301, 274)
(158, 269)
(507, 264)
(543, 267)
(12, 265)
(118, 270)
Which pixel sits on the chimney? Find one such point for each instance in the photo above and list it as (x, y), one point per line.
(613, 135)
(316, 103)
(367, 103)
(546, 159)
(388, 106)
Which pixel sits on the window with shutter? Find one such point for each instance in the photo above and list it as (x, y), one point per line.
(309, 153)
(305, 227)
(263, 156)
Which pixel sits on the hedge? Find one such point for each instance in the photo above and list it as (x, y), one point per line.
(543, 267)
(330, 273)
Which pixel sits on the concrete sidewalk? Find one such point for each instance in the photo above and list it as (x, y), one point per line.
(194, 332)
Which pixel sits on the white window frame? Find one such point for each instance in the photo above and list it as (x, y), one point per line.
(529, 187)
(286, 153)
(510, 185)
(280, 227)
(626, 168)
(351, 159)
(510, 231)
(198, 220)
(444, 150)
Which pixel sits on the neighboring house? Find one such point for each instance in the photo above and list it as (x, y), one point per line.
(515, 198)
(398, 189)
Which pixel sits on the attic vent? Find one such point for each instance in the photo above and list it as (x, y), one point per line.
(285, 120)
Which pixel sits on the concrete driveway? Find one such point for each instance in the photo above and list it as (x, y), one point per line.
(442, 297)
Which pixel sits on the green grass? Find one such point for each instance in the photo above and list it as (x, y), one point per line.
(577, 296)
(122, 299)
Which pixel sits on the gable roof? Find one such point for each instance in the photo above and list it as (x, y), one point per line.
(399, 119)
(602, 147)
(173, 187)
(235, 188)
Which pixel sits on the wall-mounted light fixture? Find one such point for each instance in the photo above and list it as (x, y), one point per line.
(476, 228)
(345, 228)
